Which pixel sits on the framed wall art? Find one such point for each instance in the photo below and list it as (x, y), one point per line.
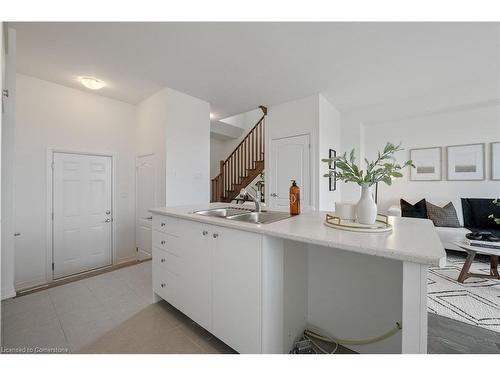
(332, 167)
(495, 161)
(466, 162)
(428, 164)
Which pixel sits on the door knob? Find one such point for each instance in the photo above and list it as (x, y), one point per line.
(162, 260)
(215, 235)
(162, 242)
(163, 285)
(274, 195)
(107, 220)
(205, 232)
(108, 212)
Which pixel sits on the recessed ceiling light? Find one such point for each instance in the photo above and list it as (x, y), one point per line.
(92, 83)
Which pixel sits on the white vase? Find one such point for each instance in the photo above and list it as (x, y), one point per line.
(366, 209)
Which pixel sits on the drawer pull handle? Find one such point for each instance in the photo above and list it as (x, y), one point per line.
(162, 260)
(215, 235)
(162, 224)
(163, 285)
(205, 232)
(162, 242)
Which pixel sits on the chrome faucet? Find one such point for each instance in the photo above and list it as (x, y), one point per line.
(256, 199)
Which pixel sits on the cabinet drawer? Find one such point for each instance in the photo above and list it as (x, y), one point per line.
(166, 224)
(166, 242)
(163, 260)
(166, 285)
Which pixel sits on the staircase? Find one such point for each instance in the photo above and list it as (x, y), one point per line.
(244, 164)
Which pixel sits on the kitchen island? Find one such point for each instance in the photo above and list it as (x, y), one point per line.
(258, 286)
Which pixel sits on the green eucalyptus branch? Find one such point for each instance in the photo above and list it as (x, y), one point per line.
(497, 220)
(383, 169)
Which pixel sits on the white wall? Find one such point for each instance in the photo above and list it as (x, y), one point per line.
(316, 116)
(188, 149)
(297, 117)
(352, 135)
(453, 127)
(50, 115)
(217, 153)
(176, 127)
(224, 131)
(150, 137)
(8, 145)
(245, 120)
(329, 138)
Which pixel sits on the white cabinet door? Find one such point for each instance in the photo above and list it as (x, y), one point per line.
(290, 160)
(82, 213)
(196, 244)
(145, 199)
(236, 289)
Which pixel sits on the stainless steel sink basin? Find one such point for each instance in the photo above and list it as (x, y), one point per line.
(263, 217)
(223, 212)
(244, 214)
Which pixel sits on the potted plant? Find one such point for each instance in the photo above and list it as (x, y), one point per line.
(384, 169)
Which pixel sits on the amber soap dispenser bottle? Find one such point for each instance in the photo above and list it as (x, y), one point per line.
(294, 199)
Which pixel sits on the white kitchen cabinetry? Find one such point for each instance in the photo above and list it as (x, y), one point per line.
(165, 283)
(166, 260)
(236, 289)
(213, 275)
(195, 269)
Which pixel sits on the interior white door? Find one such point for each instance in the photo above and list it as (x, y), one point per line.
(290, 160)
(82, 218)
(145, 199)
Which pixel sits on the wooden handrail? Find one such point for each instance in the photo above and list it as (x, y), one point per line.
(241, 163)
(244, 139)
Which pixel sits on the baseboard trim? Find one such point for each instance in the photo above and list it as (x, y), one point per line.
(8, 293)
(70, 279)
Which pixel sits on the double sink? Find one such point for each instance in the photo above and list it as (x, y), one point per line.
(244, 215)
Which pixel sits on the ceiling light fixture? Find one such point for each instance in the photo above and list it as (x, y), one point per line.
(92, 83)
(212, 116)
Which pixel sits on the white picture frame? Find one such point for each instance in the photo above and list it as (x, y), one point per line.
(428, 164)
(466, 162)
(495, 161)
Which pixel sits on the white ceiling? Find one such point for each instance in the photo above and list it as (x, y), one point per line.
(238, 66)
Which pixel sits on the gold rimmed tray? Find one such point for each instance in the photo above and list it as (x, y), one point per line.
(381, 225)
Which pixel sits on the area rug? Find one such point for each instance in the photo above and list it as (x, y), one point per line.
(476, 301)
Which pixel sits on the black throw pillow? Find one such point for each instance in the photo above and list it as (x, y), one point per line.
(477, 211)
(418, 210)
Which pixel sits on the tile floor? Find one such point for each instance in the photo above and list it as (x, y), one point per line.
(113, 313)
(71, 317)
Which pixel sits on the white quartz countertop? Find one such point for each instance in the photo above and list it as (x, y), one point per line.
(411, 240)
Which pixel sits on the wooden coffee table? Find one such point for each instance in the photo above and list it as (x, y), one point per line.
(471, 254)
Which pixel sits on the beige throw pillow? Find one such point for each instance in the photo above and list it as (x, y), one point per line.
(443, 216)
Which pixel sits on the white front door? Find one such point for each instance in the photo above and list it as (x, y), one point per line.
(145, 199)
(290, 160)
(82, 219)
